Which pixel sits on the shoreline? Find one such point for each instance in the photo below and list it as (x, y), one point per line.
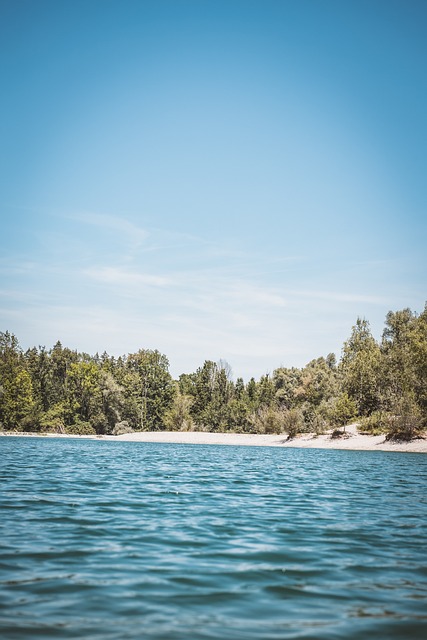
(352, 441)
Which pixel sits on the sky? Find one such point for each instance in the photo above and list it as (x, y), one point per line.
(235, 180)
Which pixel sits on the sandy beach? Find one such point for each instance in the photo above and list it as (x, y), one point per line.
(351, 441)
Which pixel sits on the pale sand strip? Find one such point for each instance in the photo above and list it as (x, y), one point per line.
(353, 441)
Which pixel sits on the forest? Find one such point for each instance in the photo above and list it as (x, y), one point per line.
(380, 384)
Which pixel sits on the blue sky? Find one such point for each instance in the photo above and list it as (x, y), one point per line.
(236, 180)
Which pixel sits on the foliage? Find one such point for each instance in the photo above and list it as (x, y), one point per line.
(121, 428)
(293, 422)
(375, 424)
(360, 368)
(405, 422)
(16, 389)
(381, 384)
(53, 419)
(343, 410)
(80, 428)
(151, 388)
(178, 417)
(268, 420)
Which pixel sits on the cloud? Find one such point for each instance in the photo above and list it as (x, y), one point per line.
(337, 296)
(125, 277)
(188, 297)
(115, 223)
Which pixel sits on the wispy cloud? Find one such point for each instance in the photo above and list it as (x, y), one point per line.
(125, 277)
(187, 297)
(337, 296)
(118, 224)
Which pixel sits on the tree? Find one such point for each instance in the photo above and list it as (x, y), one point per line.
(418, 354)
(16, 399)
(61, 359)
(360, 367)
(178, 417)
(112, 400)
(286, 381)
(38, 365)
(83, 391)
(406, 421)
(155, 388)
(265, 391)
(317, 383)
(343, 410)
(16, 391)
(398, 370)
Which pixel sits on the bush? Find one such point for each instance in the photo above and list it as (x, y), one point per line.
(338, 433)
(343, 410)
(406, 421)
(121, 428)
(30, 423)
(99, 422)
(318, 424)
(53, 419)
(80, 428)
(268, 420)
(178, 417)
(293, 422)
(377, 423)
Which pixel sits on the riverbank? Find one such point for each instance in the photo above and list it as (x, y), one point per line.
(352, 440)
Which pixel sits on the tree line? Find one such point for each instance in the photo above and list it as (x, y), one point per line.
(381, 384)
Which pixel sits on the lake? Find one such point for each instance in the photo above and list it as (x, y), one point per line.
(122, 540)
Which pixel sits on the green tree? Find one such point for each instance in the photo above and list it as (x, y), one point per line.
(318, 383)
(343, 410)
(360, 367)
(178, 417)
(16, 391)
(406, 419)
(112, 401)
(155, 388)
(398, 370)
(418, 355)
(286, 382)
(38, 365)
(61, 359)
(83, 391)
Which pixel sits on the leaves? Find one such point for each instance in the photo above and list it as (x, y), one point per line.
(66, 391)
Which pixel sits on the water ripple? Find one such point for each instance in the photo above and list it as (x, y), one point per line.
(107, 540)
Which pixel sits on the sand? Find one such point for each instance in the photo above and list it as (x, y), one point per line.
(351, 441)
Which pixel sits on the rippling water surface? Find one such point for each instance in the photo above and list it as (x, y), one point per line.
(133, 540)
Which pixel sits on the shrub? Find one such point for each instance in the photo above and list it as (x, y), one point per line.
(338, 433)
(30, 422)
(80, 428)
(53, 419)
(293, 422)
(178, 417)
(318, 424)
(121, 428)
(100, 423)
(267, 420)
(377, 423)
(343, 410)
(406, 421)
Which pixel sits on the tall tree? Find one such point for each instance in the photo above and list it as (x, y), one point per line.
(398, 370)
(83, 391)
(418, 354)
(361, 368)
(16, 391)
(155, 391)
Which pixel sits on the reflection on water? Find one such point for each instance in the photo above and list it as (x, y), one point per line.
(129, 540)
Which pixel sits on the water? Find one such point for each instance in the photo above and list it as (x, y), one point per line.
(122, 540)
